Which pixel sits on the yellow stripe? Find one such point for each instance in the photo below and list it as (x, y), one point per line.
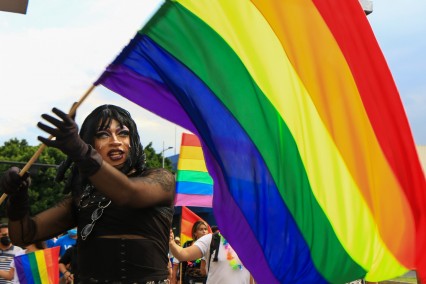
(191, 152)
(262, 54)
(41, 264)
(192, 165)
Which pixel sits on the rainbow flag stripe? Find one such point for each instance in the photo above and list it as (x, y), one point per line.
(194, 185)
(41, 266)
(188, 220)
(302, 128)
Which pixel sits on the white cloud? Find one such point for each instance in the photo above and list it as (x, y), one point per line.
(52, 55)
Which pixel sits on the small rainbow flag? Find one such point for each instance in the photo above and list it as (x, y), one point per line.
(41, 266)
(194, 185)
(188, 220)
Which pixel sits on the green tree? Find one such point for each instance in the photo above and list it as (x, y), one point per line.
(155, 160)
(44, 191)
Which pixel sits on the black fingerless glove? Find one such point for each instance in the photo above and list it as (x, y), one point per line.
(69, 142)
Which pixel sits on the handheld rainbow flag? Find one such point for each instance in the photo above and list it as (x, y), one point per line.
(41, 266)
(316, 177)
(194, 185)
(188, 220)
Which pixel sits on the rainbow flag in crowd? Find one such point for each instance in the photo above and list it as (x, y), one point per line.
(316, 176)
(194, 185)
(188, 220)
(41, 266)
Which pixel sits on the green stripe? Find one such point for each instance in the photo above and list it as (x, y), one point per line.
(34, 268)
(261, 122)
(193, 176)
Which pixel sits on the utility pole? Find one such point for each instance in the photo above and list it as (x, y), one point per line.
(164, 150)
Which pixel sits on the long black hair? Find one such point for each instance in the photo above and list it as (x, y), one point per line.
(100, 119)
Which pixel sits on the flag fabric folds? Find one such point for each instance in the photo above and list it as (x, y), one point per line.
(316, 177)
(194, 185)
(188, 220)
(41, 266)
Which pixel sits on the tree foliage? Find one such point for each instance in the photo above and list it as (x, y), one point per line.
(45, 191)
(155, 160)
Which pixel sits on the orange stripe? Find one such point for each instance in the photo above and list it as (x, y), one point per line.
(335, 94)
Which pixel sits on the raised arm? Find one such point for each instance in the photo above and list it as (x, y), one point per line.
(156, 186)
(184, 254)
(153, 187)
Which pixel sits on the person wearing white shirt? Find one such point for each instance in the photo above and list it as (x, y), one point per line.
(227, 269)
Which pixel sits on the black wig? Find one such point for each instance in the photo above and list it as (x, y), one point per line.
(100, 119)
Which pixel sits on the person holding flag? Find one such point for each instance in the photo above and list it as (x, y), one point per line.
(222, 263)
(194, 271)
(123, 211)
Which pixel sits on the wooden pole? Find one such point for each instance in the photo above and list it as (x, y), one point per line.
(42, 146)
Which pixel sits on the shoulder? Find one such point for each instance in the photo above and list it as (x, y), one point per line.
(159, 176)
(205, 239)
(18, 250)
(21, 252)
(204, 243)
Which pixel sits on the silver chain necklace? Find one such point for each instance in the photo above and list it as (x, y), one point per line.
(96, 214)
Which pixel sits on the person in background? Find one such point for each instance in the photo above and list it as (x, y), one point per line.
(66, 241)
(122, 210)
(11, 274)
(174, 265)
(7, 253)
(214, 229)
(223, 265)
(68, 265)
(193, 270)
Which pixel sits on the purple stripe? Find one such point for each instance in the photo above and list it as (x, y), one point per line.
(23, 269)
(160, 101)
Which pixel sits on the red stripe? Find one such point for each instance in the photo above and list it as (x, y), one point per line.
(51, 256)
(190, 140)
(382, 104)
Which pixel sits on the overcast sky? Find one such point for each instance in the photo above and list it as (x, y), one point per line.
(50, 57)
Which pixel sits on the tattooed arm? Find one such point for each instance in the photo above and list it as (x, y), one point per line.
(155, 187)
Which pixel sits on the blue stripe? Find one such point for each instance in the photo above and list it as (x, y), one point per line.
(186, 187)
(258, 200)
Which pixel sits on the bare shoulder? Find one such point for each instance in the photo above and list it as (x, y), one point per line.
(160, 176)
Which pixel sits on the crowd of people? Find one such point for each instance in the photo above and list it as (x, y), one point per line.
(117, 215)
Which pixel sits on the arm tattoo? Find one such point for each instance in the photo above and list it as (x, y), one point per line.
(162, 177)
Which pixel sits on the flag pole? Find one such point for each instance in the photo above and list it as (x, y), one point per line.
(42, 146)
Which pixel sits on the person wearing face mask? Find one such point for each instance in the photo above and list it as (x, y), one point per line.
(122, 210)
(7, 251)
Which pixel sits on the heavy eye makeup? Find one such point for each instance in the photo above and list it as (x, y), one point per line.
(119, 132)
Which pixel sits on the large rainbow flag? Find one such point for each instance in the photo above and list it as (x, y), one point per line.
(316, 177)
(39, 267)
(194, 185)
